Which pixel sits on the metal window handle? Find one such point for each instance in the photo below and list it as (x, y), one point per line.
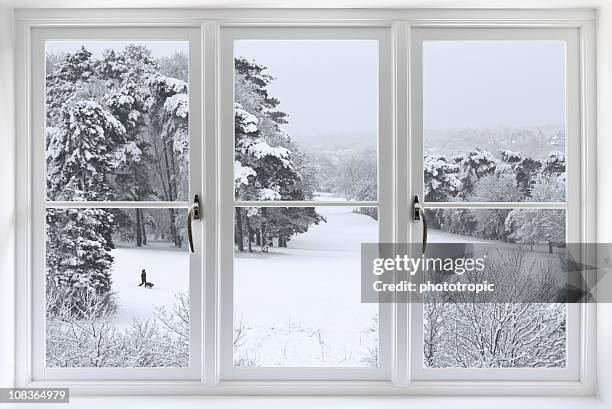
(419, 215)
(194, 214)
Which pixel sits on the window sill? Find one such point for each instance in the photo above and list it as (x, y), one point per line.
(331, 402)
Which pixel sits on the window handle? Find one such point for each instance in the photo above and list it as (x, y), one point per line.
(418, 214)
(194, 214)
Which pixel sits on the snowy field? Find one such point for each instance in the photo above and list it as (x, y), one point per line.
(301, 305)
(296, 306)
(167, 268)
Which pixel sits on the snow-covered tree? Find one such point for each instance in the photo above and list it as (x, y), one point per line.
(267, 164)
(79, 249)
(357, 174)
(524, 169)
(455, 221)
(67, 82)
(125, 75)
(534, 226)
(494, 188)
(90, 339)
(175, 66)
(442, 179)
(168, 114)
(554, 164)
(474, 165)
(82, 153)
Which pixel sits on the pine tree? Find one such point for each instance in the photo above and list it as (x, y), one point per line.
(168, 114)
(524, 169)
(80, 158)
(82, 152)
(474, 165)
(67, 83)
(78, 249)
(442, 179)
(268, 165)
(125, 75)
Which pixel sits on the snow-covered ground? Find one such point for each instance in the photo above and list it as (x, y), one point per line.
(167, 268)
(301, 305)
(297, 306)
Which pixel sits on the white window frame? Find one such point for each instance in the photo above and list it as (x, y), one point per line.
(571, 205)
(213, 379)
(39, 202)
(384, 201)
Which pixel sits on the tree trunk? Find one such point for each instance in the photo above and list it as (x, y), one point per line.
(264, 224)
(249, 233)
(238, 234)
(173, 179)
(143, 224)
(179, 238)
(550, 247)
(178, 242)
(171, 198)
(138, 229)
(172, 226)
(258, 237)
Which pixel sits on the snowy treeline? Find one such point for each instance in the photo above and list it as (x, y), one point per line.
(479, 176)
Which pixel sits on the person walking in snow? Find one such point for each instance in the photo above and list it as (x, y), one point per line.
(143, 277)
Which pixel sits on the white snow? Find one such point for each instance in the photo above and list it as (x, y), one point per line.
(242, 173)
(301, 305)
(168, 84)
(261, 148)
(125, 100)
(249, 120)
(269, 194)
(167, 268)
(177, 105)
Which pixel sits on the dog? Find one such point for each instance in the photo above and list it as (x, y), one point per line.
(148, 285)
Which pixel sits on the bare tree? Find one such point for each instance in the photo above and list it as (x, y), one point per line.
(463, 331)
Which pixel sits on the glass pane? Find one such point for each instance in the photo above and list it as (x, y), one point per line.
(117, 288)
(297, 299)
(117, 120)
(494, 121)
(500, 335)
(306, 119)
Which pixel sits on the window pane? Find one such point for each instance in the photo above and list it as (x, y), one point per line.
(494, 121)
(297, 288)
(306, 119)
(500, 335)
(117, 288)
(117, 120)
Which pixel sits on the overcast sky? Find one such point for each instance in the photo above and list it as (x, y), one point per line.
(329, 88)
(485, 84)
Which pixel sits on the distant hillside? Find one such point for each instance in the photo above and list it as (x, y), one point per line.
(533, 142)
